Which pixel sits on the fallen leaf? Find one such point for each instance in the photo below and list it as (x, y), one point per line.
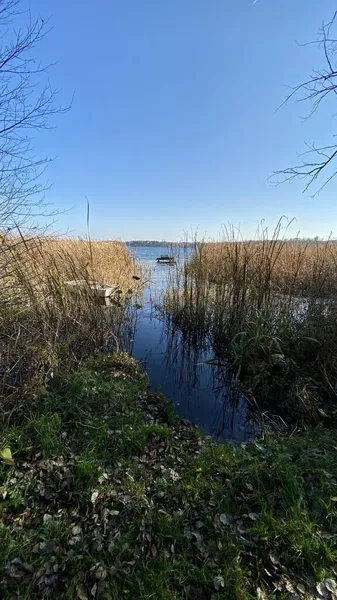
(44, 548)
(76, 530)
(218, 582)
(326, 535)
(81, 592)
(331, 585)
(261, 594)
(225, 520)
(173, 474)
(323, 590)
(47, 517)
(197, 536)
(301, 588)
(94, 496)
(101, 573)
(6, 456)
(289, 586)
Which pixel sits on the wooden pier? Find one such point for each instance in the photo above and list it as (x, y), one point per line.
(102, 290)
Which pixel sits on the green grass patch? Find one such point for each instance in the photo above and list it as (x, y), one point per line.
(112, 496)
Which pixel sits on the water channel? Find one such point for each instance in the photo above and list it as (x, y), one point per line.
(205, 394)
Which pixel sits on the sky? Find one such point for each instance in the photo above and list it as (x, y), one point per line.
(174, 124)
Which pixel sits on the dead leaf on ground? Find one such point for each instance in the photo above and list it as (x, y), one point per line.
(323, 591)
(6, 456)
(81, 592)
(261, 594)
(44, 548)
(327, 588)
(218, 582)
(331, 585)
(94, 496)
(225, 519)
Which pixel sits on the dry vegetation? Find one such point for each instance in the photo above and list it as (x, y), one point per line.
(270, 308)
(299, 268)
(106, 262)
(45, 324)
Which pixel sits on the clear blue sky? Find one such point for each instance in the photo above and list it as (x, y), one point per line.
(173, 124)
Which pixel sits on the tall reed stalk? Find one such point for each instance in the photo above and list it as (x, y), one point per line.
(269, 307)
(44, 324)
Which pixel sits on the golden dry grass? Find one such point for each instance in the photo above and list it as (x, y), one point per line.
(43, 323)
(269, 307)
(106, 262)
(289, 267)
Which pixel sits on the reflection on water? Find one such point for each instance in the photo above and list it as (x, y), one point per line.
(205, 394)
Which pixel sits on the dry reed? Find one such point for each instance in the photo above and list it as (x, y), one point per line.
(289, 267)
(269, 307)
(43, 323)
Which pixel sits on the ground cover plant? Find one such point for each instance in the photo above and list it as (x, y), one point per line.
(106, 494)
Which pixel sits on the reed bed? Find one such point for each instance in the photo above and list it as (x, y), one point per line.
(299, 268)
(44, 324)
(269, 308)
(106, 262)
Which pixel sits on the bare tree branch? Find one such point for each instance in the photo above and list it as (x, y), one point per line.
(314, 91)
(27, 101)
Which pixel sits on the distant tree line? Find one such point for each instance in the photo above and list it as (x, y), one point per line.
(163, 244)
(159, 244)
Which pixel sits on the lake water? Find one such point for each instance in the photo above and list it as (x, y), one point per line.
(205, 394)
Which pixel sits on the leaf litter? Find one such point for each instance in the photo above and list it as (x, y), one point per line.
(160, 499)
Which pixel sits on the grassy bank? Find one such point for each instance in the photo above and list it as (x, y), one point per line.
(43, 323)
(110, 496)
(269, 308)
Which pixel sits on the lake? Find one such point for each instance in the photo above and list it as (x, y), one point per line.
(207, 395)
